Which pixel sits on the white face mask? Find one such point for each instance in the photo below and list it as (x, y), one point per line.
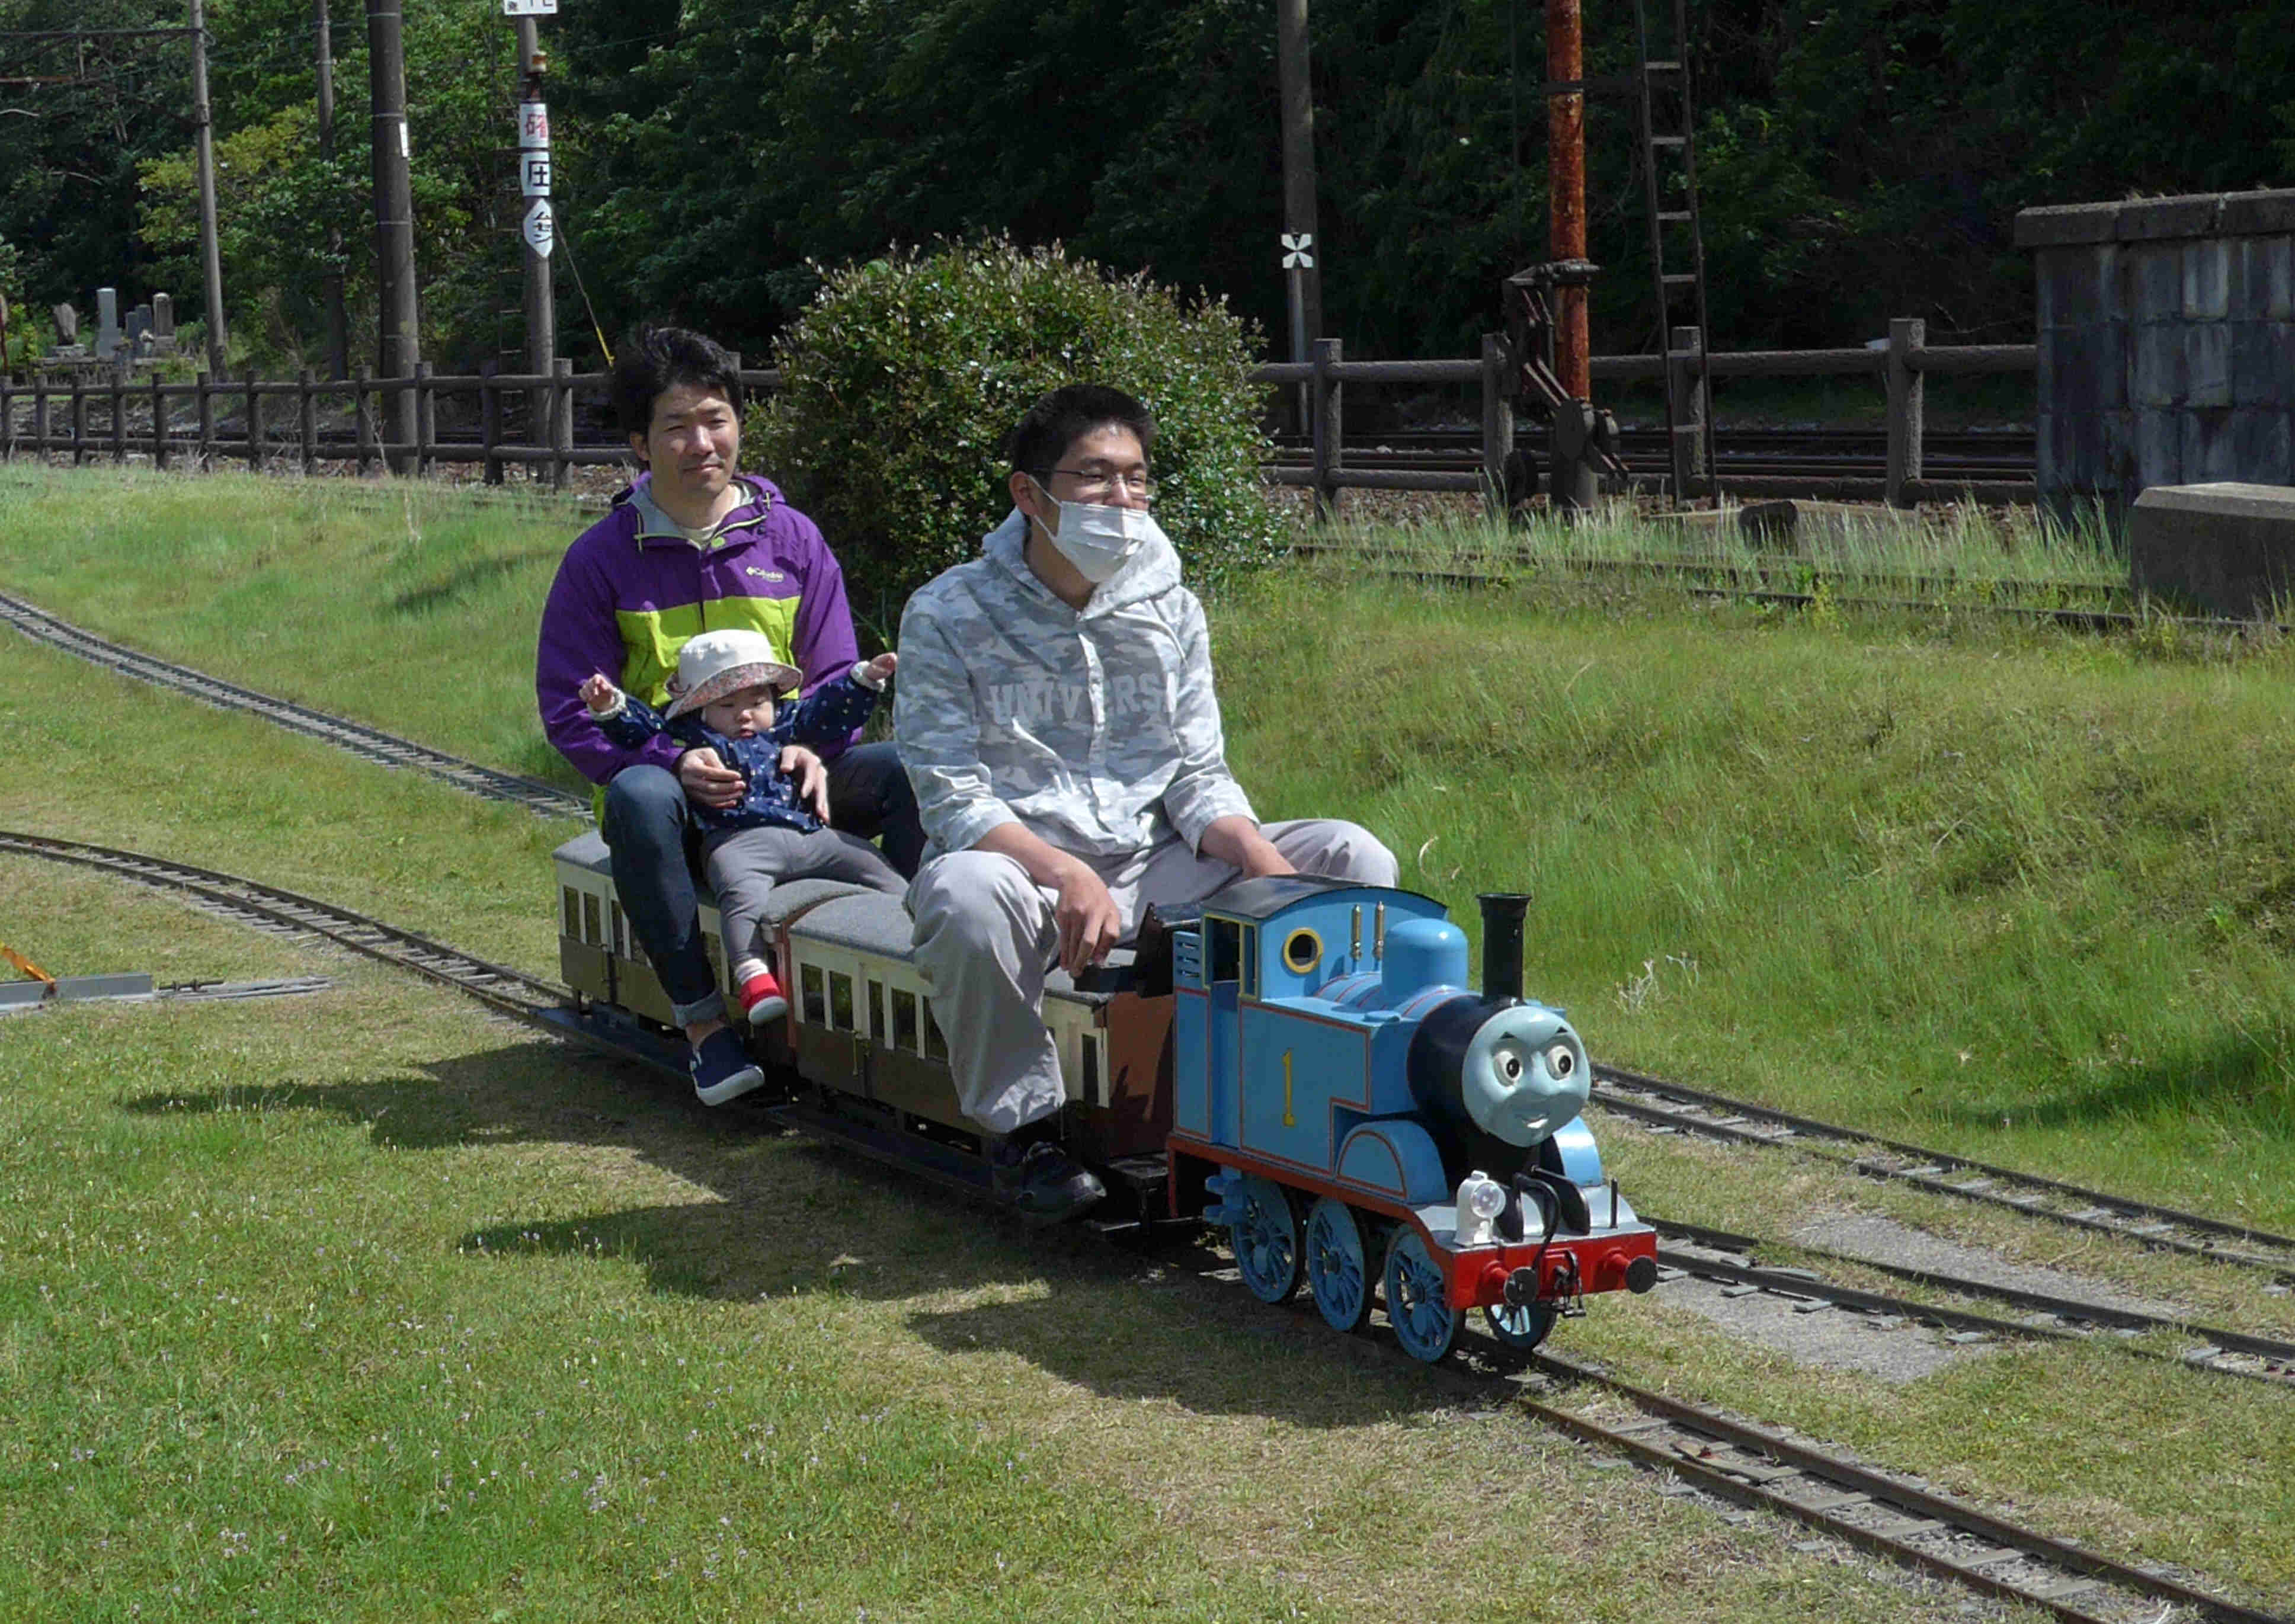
(1096, 538)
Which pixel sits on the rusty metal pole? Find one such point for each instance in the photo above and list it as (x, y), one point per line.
(1566, 171)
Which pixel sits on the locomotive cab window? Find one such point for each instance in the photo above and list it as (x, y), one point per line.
(840, 1001)
(1226, 949)
(876, 1010)
(1249, 953)
(592, 931)
(573, 924)
(904, 1022)
(1303, 951)
(816, 995)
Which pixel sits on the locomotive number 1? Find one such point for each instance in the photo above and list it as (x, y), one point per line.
(1289, 1120)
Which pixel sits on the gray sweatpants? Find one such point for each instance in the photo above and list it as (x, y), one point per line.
(743, 866)
(986, 934)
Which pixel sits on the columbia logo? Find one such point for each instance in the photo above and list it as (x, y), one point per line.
(763, 575)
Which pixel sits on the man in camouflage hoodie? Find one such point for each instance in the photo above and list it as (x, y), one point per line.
(1055, 714)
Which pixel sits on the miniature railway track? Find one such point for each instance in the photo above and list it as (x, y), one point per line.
(1894, 1516)
(2054, 1318)
(372, 744)
(1891, 1515)
(1672, 1107)
(508, 991)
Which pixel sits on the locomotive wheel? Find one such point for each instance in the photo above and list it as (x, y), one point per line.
(1337, 1271)
(1266, 1240)
(1417, 1299)
(1523, 1327)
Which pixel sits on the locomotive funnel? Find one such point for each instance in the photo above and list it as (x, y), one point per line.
(1502, 917)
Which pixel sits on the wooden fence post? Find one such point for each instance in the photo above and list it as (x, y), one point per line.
(207, 422)
(1327, 395)
(40, 416)
(1497, 423)
(119, 416)
(490, 419)
(426, 426)
(362, 417)
(1907, 335)
(158, 423)
(253, 422)
(306, 421)
(7, 412)
(561, 419)
(1682, 346)
(79, 418)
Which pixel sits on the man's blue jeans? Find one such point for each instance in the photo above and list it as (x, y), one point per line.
(654, 842)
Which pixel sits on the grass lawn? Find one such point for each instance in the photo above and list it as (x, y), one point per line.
(2021, 895)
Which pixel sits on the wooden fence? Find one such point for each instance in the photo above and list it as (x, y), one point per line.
(60, 416)
(1903, 365)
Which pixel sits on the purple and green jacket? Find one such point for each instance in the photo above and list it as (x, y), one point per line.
(633, 589)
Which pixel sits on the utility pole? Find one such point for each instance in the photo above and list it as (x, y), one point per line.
(400, 348)
(330, 285)
(539, 227)
(210, 250)
(1302, 275)
(1566, 181)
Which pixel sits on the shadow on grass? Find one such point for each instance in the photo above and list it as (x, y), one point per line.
(440, 595)
(2235, 1082)
(753, 1212)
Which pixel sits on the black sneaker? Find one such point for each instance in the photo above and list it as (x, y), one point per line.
(1040, 1181)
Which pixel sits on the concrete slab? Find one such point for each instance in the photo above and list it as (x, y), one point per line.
(2227, 547)
(1894, 1351)
(1884, 1240)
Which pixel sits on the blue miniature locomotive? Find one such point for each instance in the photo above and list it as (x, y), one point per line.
(1331, 1064)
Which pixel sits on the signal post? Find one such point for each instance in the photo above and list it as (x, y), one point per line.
(538, 227)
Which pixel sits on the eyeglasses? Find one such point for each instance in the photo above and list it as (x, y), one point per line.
(1097, 482)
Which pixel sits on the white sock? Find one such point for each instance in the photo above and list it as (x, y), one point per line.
(744, 970)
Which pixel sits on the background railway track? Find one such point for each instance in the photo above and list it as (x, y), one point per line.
(371, 743)
(1963, 457)
(1672, 1107)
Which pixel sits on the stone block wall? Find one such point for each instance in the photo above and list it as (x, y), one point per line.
(2167, 339)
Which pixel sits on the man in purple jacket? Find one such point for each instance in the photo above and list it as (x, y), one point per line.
(695, 546)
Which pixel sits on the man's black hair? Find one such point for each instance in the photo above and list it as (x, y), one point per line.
(655, 360)
(1065, 416)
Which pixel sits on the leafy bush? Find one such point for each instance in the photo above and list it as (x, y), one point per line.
(901, 380)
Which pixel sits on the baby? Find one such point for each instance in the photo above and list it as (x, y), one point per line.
(722, 700)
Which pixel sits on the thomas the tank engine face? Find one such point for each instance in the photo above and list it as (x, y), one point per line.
(1523, 1074)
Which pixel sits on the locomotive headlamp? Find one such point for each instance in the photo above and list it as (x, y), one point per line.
(1480, 1199)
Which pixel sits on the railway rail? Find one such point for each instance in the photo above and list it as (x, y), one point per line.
(1888, 1514)
(1728, 1257)
(1977, 457)
(1892, 1515)
(371, 743)
(1666, 1106)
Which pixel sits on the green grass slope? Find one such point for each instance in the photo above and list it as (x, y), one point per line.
(2027, 895)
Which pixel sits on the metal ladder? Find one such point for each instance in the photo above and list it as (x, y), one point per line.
(1668, 124)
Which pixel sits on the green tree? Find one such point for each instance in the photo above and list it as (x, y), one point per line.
(904, 375)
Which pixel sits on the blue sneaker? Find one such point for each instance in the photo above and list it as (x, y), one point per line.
(721, 1068)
